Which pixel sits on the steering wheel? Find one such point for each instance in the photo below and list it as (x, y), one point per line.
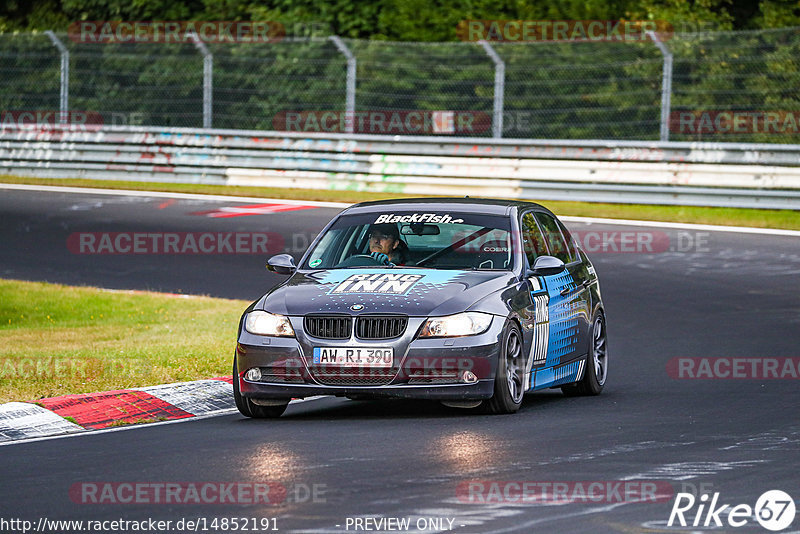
(360, 260)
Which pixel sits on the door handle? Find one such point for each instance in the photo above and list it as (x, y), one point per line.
(567, 290)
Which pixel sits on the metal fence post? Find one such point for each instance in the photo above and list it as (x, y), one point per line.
(208, 79)
(350, 98)
(499, 89)
(64, 96)
(666, 84)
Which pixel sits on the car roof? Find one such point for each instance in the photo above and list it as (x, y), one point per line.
(488, 206)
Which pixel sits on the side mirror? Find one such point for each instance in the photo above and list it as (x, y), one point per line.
(547, 266)
(281, 264)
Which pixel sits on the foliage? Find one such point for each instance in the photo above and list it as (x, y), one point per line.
(401, 20)
(567, 90)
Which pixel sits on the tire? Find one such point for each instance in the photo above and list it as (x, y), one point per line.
(509, 379)
(247, 408)
(594, 378)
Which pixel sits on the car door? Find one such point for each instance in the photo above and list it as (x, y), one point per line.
(580, 296)
(555, 300)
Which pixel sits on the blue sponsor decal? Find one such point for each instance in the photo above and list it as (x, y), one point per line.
(563, 331)
(556, 376)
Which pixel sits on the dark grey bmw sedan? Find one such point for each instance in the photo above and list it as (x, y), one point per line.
(470, 302)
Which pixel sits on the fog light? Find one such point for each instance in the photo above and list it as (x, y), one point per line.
(468, 377)
(253, 374)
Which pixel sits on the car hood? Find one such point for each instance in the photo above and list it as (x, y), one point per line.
(413, 292)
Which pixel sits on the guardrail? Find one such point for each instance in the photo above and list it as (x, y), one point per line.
(707, 174)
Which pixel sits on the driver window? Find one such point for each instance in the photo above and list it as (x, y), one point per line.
(360, 243)
(555, 241)
(533, 242)
(571, 242)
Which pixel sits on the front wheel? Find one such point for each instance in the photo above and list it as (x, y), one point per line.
(509, 381)
(248, 408)
(594, 378)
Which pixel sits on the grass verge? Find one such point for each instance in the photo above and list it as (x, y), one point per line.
(785, 219)
(58, 340)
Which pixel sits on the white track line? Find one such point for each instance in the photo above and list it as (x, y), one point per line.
(165, 194)
(683, 226)
(196, 196)
(228, 411)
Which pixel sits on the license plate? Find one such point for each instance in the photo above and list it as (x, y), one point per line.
(353, 356)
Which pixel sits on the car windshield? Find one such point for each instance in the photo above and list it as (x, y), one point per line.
(435, 239)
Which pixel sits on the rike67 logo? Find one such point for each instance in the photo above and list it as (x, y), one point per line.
(774, 510)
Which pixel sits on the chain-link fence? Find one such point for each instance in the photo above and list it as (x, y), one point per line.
(731, 86)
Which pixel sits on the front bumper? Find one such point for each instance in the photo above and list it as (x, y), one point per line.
(424, 368)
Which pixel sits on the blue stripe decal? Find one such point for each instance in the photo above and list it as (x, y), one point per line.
(563, 317)
(555, 376)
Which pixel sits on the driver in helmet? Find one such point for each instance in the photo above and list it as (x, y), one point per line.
(386, 246)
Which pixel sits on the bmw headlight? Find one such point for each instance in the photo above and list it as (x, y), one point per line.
(268, 324)
(460, 324)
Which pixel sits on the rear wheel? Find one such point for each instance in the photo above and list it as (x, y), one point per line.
(248, 408)
(510, 377)
(594, 378)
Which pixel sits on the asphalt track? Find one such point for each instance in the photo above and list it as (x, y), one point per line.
(725, 295)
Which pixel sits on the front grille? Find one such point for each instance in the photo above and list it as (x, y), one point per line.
(338, 377)
(328, 327)
(380, 326)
